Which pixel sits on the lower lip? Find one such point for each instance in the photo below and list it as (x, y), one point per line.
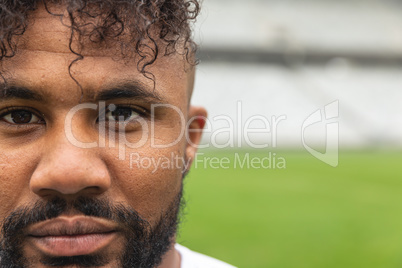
(73, 245)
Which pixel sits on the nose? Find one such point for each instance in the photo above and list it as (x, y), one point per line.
(65, 169)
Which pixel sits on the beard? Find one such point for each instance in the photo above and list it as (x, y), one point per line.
(145, 245)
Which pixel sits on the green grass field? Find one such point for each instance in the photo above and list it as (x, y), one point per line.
(307, 215)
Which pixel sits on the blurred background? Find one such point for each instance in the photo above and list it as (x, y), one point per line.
(288, 59)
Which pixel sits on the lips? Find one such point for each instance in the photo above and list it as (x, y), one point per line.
(72, 236)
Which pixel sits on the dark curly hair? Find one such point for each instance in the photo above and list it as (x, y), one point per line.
(137, 26)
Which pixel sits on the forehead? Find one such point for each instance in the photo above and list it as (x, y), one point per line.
(44, 60)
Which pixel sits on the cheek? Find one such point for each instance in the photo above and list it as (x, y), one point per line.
(16, 167)
(147, 179)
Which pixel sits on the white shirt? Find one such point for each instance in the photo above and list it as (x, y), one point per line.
(191, 259)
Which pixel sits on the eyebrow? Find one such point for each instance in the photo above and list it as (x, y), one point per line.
(17, 92)
(125, 90)
(128, 90)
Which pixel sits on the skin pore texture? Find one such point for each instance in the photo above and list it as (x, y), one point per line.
(39, 164)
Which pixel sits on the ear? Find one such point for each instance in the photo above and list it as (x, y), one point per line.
(197, 117)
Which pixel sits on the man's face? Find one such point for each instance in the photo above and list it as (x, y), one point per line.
(49, 158)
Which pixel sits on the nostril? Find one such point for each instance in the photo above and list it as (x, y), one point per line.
(51, 193)
(70, 172)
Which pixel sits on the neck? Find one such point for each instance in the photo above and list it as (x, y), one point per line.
(171, 259)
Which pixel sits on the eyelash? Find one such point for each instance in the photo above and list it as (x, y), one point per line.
(7, 110)
(142, 112)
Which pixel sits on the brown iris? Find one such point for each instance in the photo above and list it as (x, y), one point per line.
(21, 117)
(122, 112)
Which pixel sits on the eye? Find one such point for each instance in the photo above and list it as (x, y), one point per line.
(125, 113)
(20, 117)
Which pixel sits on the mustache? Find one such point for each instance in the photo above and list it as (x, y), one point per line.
(40, 211)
